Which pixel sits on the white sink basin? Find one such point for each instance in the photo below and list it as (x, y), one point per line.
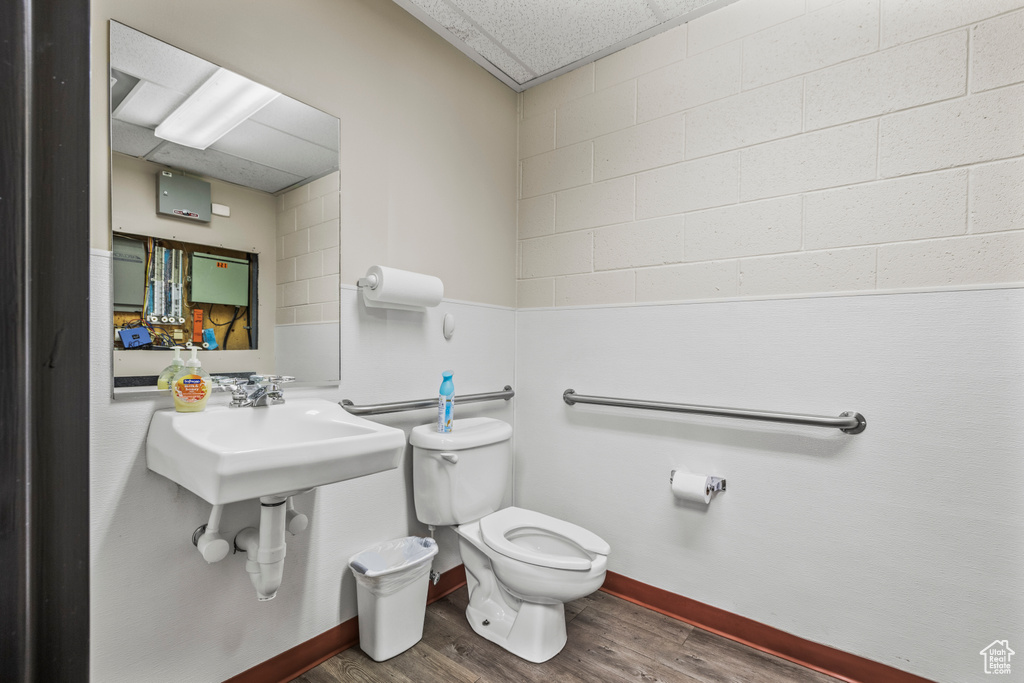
(226, 454)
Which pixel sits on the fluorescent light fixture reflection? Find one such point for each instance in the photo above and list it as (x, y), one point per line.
(221, 103)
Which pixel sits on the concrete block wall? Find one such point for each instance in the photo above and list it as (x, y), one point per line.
(771, 149)
(308, 261)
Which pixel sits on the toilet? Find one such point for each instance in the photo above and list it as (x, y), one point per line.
(521, 565)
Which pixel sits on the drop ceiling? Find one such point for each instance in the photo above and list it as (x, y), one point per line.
(526, 42)
(284, 144)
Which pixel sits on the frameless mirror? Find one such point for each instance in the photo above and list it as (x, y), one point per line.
(224, 219)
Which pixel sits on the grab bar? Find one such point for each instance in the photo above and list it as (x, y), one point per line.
(849, 422)
(401, 406)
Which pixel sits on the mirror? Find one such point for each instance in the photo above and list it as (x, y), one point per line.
(225, 210)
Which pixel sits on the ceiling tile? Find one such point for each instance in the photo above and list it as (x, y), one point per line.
(301, 120)
(461, 28)
(272, 148)
(526, 42)
(146, 58)
(148, 104)
(674, 8)
(548, 34)
(133, 140)
(216, 164)
(497, 56)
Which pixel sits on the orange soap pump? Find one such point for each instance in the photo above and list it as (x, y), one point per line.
(191, 387)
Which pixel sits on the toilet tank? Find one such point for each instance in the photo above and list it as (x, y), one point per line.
(462, 475)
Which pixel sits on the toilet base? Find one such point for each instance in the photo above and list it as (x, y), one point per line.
(537, 632)
(530, 630)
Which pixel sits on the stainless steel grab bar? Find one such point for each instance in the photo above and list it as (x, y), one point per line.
(401, 406)
(849, 422)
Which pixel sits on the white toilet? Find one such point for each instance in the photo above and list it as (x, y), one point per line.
(521, 566)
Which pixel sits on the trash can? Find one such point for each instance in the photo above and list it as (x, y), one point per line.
(391, 592)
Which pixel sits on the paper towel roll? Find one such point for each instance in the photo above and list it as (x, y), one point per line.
(692, 487)
(402, 289)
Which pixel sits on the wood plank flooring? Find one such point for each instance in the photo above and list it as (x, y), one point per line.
(610, 639)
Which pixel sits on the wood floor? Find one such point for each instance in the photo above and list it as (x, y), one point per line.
(609, 640)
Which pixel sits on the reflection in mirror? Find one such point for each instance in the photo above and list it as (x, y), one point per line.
(225, 220)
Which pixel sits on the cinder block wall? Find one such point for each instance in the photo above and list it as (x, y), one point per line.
(307, 253)
(777, 148)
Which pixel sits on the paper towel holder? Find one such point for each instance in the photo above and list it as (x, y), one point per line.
(368, 282)
(376, 280)
(714, 483)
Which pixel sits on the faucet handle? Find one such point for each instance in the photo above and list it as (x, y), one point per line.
(239, 396)
(279, 379)
(227, 383)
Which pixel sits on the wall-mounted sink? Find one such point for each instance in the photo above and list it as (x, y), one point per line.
(226, 454)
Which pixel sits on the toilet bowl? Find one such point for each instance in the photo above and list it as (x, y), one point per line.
(519, 604)
(541, 558)
(521, 565)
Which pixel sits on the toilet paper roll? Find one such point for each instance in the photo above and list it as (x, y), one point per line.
(402, 289)
(692, 487)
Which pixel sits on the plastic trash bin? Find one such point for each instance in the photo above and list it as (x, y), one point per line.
(391, 593)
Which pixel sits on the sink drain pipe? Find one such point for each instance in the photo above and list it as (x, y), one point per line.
(265, 549)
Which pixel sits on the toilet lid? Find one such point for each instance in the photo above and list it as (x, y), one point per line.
(495, 529)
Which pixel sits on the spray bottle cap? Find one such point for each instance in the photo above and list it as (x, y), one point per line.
(193, 362)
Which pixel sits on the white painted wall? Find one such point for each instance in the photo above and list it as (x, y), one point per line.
(428, 138)
(159, 612)
(776, 148)
(903, 544)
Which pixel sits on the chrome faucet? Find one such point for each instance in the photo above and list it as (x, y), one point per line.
(264, 395)
(258, 391)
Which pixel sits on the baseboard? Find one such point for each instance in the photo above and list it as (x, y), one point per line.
(292, 663)
(827, 660)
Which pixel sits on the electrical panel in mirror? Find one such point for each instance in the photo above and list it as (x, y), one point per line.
(170, 293)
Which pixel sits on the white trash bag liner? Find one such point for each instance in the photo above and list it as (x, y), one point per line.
(389, 567)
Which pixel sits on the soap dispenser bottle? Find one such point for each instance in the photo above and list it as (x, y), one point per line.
(191, 386)
(163, 382)
(446, 403)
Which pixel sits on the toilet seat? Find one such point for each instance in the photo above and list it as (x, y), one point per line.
(495, 528)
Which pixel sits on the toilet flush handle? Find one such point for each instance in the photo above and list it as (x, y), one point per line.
(450, 457)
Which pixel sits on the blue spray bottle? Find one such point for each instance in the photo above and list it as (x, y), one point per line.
(446, 403)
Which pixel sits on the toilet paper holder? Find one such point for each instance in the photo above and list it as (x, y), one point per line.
(714, 483)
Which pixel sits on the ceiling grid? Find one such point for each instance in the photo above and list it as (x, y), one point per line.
(526, 42)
